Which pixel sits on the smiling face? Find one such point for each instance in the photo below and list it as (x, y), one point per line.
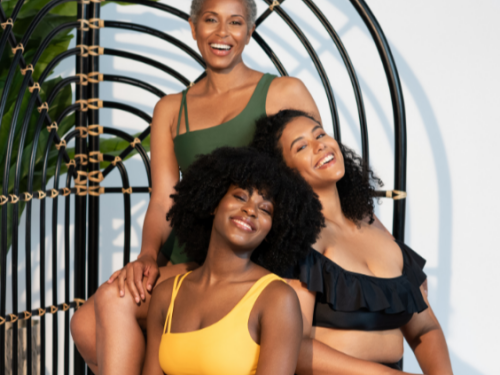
(243, 219)
(317, 156)
(222, 32)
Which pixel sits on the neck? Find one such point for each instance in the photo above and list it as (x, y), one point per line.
(220, 81)
(330, 200)
(223, 262)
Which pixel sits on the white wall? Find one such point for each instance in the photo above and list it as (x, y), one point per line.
(447, 55)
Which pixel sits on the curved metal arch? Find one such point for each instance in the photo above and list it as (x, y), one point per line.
(38, 18)
(148, 61)
(318, 65)
(127, 207)
(159, 34)
(133, 82)
(352, 75)
(27, 79)
(128, 150)
(8, 34)
(398, 108)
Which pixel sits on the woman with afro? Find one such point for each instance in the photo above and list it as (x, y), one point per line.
(243, 217)
(361, 292)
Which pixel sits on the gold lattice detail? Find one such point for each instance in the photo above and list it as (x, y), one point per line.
(95, 130)
(7, 23)
(19, 47)
(36, 86)
(275, 4)
(29, 68)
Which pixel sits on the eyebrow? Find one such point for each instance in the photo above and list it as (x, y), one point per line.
(300, 138)
(212, 12)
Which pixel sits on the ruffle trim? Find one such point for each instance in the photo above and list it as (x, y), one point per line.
(348, 291)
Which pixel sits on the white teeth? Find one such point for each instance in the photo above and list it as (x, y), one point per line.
(244, 224)
(220, 46)
(326, 160)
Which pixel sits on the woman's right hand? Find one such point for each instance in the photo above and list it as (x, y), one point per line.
(133, 274)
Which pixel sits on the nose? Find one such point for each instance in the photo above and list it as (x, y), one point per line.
(250, 210)
(222, 30)
(318, 146)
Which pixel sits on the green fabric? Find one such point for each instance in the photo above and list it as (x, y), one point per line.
(237, 132)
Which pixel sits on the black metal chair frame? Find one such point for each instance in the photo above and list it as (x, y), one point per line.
(84, 176)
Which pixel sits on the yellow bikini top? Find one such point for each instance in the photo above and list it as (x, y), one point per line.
(223, 348)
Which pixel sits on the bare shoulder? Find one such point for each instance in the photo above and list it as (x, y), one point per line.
(165, 114)
(290, 93)
(287, 86)
(278, 294)
(168, 104)
(377, 227)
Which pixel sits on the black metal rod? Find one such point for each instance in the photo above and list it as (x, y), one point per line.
(67, 265)
(128, 150)
(148, 61)
(127, 108)
(270, 53)
(80, 201)
(8, 35)
(93, 144)
(159, 34)
(133, 82)
(126, 206)
(318, 65)
(352, 75)
(398, 109)
(55, 327)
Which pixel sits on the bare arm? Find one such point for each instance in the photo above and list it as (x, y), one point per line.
(320, 359)
(164, 174)
(155, 325)
(290, 93)
(280, 331)
(426, 338)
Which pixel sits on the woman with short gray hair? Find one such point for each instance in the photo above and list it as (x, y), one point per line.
(219, 110)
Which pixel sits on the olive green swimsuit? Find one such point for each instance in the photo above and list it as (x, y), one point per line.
(237, 132)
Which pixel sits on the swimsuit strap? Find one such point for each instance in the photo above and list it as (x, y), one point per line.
(177, 284)
(183, 105)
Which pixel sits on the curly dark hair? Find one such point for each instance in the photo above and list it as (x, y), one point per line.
(356, 188)
(297, 218)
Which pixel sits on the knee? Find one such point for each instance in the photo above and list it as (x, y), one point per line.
(80, 322)
(108, 299)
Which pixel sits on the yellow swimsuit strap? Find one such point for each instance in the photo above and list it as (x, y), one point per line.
(177, 284)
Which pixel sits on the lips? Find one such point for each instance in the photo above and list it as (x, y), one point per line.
(220, 49)
(325, 161)
(243, 223)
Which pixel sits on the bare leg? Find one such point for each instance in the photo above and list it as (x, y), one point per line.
(107, 328)
(84, 334)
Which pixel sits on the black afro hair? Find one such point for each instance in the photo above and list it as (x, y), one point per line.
(297, 218)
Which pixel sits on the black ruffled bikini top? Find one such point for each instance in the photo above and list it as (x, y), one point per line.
(349, 300)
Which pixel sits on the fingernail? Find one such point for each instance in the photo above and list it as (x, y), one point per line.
(149, 287)
(137, 300)
(121, 293)
(142, 296)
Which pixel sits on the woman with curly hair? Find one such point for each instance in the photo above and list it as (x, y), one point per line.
(219, 110)
(361, 292)
(240, 214)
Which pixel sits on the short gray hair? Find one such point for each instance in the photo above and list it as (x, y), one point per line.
(250, 6)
